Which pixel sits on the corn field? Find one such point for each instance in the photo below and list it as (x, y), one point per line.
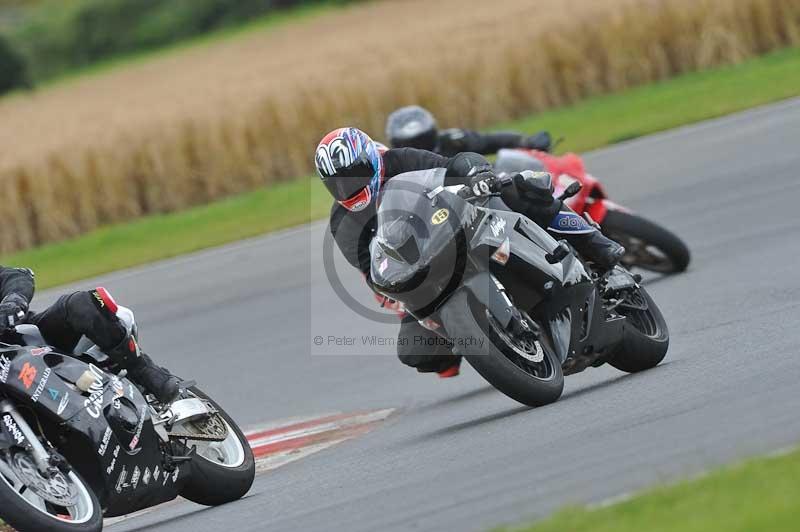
(220, 118)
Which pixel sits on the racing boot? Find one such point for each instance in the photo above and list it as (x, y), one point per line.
(142, 370)
(586, 238)
(597, 248)
(453, 370)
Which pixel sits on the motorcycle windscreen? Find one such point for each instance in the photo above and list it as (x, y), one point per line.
(413, 248)
(406, 216)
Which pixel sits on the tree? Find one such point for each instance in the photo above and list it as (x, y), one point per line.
(13, 71)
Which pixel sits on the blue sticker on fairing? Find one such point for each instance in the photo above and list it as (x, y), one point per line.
(570, 222)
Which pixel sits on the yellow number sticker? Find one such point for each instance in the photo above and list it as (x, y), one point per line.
(439, 216)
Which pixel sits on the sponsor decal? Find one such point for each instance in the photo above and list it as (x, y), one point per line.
(498, 226)
(137, 434)
(116, 385)
(99, 298)
(27, 375)
(5, 367)
(113, 464)
(146, 476)
(39, 351)
(175, 475)
(54, 394)
(104, 442)
(8, 421)
(440, 216)
(37, 393)
(94, 403)
(121, 484)
(63, 404)
(156, 472)
(130, 391)
(137, 474)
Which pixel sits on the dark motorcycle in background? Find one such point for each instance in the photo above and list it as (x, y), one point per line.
(79, 441)
(648, 245)
(521, 307)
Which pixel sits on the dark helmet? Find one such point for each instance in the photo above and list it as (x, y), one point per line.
(350, 165)
(412, 127)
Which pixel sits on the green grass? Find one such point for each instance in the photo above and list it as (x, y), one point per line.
(690, 98)
(759, 495)
(591, 124)
(163, 236)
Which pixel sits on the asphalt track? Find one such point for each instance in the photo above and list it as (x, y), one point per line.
(457, 455)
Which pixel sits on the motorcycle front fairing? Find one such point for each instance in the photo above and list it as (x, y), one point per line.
(107, 435)
(418, 253)
(554, 292)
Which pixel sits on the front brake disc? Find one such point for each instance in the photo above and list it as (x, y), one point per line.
(57, 489)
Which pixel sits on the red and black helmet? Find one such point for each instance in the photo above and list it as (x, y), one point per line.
(350, 165)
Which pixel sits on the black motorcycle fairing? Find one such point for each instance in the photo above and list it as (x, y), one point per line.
(454, 242)
(491, 294)
(124, 465)
(421, 238)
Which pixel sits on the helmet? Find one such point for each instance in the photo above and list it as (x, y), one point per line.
(412, 127)
(351, 167)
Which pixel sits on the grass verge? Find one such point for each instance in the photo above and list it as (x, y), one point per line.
(590, 124)
(761, 494)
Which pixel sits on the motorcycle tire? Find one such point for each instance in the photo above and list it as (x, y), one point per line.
(645, 337)
(23, 517)
(634, 231)
(213, 484)
(498, 361)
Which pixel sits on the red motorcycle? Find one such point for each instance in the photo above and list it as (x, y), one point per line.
(648, 245)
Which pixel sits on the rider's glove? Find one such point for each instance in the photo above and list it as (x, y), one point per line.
(13, 309)
(540, 141)
(533, 186)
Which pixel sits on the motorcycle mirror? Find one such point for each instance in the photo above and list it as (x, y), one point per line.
(571, 190)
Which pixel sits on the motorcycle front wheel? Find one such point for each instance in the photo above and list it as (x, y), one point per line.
(31, 502)
(528, 372)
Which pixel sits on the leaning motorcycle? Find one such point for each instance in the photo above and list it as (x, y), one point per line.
(648, 245)
(79, 441)
(522, 308)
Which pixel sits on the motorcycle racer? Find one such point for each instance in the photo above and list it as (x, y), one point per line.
(353, 168)
(90, 313)
(415, 127)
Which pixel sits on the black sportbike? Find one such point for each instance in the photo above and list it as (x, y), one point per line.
(79, 441)
(521, 307)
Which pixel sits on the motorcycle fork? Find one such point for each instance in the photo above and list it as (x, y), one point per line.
(40, 455)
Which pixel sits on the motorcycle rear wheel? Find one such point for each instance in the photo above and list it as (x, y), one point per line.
(645, 339)
(223, 472)
(648, 245)
(497, 357)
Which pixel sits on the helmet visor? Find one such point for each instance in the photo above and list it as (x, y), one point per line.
(349, 181)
